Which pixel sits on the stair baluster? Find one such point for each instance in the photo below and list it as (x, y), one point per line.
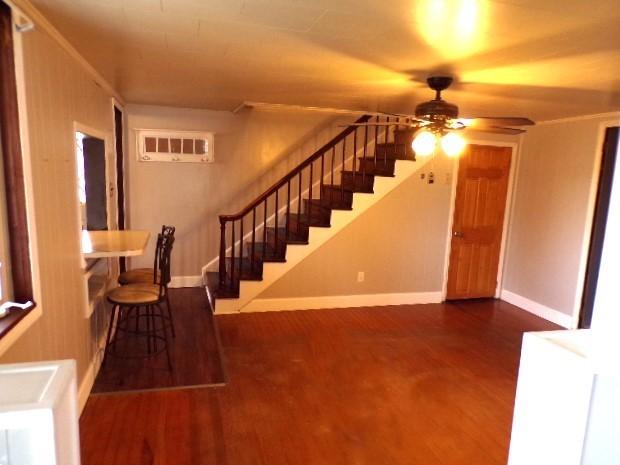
(331, 191)
(252, 258)
(222, 264)
(231, 262)
(310, 197)
(298, 205)
(344, 144)
(264, 228)
(288, 209)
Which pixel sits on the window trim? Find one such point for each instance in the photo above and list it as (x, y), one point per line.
(24, 319)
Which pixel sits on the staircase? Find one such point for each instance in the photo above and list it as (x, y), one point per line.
(307, 207)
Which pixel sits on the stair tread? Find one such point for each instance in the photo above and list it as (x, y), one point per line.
(327, 203)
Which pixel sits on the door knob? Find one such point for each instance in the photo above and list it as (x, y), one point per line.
(457, 234)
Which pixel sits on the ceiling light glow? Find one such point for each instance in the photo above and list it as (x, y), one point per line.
(424, 143)
(453, 144)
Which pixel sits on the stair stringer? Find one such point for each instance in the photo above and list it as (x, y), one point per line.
(340, 219)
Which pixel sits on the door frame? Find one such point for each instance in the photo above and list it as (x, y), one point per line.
(590, 210)
(508, 210)
(116, 104)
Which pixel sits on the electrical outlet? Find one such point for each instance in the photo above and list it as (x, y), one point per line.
(360, 276)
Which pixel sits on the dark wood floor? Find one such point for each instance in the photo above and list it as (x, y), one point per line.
(194, 352)
(426, 384)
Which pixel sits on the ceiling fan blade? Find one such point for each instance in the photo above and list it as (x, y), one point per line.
(498, 130)
(495, 120)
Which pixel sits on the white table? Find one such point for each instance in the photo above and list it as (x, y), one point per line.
(107, 244)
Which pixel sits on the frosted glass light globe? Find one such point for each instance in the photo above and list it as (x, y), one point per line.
(453, 144)
(424, 143)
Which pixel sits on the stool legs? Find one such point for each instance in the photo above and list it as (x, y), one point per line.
(166, 342)
(152, 331)
(170, 312)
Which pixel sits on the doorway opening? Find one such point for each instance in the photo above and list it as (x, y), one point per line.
(92, 183)
(599, 224)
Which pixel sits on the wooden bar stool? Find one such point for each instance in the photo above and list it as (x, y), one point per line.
(141, 302)
(149, 275)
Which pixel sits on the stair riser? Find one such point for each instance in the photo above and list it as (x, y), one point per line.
(245, 272)
(358, 182)
(270, 255)
(334, 194)
(382, 167)
(404, 136)
(294, 237)
(394, 152)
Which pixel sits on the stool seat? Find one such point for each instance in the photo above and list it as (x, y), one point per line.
(135, 294)
(138, 275)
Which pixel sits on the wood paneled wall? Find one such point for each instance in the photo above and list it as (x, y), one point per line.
(59, 92)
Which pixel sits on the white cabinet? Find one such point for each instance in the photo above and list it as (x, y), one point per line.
(567, 408)
(38, 414)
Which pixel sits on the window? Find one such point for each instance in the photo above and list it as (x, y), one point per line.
(179, 146)
(15, 270)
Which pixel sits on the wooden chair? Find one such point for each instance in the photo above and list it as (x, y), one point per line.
(149, 275)
(141, 303)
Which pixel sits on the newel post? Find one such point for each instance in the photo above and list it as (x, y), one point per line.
(222, 251)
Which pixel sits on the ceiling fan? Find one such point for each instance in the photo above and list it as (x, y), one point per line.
(438, 118)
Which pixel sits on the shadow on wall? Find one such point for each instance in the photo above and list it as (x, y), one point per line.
(253, 150)
(276, 161)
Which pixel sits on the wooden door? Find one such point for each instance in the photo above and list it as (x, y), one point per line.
(478, 221)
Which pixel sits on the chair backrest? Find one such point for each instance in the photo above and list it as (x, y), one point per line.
(168, 230)
(163, 259)
(165, 231)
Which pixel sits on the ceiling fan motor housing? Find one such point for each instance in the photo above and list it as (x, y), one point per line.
(436, 110)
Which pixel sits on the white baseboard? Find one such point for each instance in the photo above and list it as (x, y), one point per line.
(88, 381)
(186, 281)
(341, 301)
(549, 314)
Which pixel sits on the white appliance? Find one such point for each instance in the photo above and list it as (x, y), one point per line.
(567, 409)
(39, 414)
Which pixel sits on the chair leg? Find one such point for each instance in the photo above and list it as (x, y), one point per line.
(149, 341)
(153, 323)
(109, 336)
(170, 313)
(166, 342)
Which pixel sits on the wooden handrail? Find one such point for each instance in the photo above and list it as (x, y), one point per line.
(275, 187)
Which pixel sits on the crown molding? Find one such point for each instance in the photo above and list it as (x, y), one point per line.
(570, 119)
(29, 11)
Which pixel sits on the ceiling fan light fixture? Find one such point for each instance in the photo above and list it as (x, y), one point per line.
(424, 143)
(453, 144)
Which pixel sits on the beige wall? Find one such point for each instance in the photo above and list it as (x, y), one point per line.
(399, 244)
(253, 149)
(550, 224)
(58, 92)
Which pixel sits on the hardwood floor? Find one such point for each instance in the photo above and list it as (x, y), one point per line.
(194, 352)
(425, 384)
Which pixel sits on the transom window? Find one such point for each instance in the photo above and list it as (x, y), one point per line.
(175, 146)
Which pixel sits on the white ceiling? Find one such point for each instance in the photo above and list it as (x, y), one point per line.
(539, 58)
